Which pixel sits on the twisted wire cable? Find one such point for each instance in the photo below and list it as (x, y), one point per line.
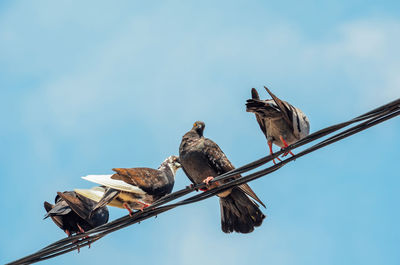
(363, 122)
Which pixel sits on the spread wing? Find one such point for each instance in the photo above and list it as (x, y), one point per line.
(221, 164)
(147, 179)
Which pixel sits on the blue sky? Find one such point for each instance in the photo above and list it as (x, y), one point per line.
(86, 87)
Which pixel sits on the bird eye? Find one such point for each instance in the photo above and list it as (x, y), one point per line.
(195, 124)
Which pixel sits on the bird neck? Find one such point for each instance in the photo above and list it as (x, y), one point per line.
(192, 135)
(167, 168)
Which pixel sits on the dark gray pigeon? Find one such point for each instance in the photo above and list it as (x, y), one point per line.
(201, 160)
(134, 188)
(71, 213)
(282, 123)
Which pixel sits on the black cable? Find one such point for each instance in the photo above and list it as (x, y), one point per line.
(227, 181)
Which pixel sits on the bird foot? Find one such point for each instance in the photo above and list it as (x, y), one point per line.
(286, 153)
(75, 241)
(191, 186)
(126, 206)
(80, 228)
(77, 245)
(83, 231)
(273, 160)
(144, 205)
(271, 153)
(207, 180)
(285, 145)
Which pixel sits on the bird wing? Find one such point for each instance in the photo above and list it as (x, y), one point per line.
(107, 181)
(301, 124)
(60, 208)
(96, 194)
(188, 175)
(286, 109)
(80, 205)
(216, 158)
(295, 118)
(246, 189)
(56, 219)
(109, 195)
(147, 179)
(221, 164)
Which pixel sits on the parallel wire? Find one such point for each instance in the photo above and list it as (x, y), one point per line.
(229, 179)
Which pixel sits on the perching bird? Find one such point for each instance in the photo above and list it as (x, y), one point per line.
(135, 188)
(282, 123)
(71, 213)
(201, 160)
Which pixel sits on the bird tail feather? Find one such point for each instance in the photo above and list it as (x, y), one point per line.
(262, 107)
(239, 213)
(108, 196)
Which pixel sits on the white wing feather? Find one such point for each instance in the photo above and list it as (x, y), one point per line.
(304, 124)
(107, 181)
(93, 193)
(96, 193)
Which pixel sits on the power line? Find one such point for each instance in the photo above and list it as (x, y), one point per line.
(362, 122)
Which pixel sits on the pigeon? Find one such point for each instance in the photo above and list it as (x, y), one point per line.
(282, 123)
(72, 211)
(135, 188)
(201, 160)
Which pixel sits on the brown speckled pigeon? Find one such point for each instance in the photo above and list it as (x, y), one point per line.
(134, 188)
(201, 160)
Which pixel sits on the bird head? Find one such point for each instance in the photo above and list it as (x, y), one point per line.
(198, 127)
(173, 163)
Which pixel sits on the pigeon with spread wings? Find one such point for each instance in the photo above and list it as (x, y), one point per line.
(282, 123)
(201, 160)
(134, 188)
(73, 213)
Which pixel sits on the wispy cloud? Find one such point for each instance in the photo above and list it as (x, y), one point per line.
(101, 86)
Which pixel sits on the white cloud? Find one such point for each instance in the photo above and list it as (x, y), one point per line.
(161, 68)
(175, 70)
(365, 50)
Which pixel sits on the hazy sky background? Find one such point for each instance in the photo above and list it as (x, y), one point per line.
(91, 85)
